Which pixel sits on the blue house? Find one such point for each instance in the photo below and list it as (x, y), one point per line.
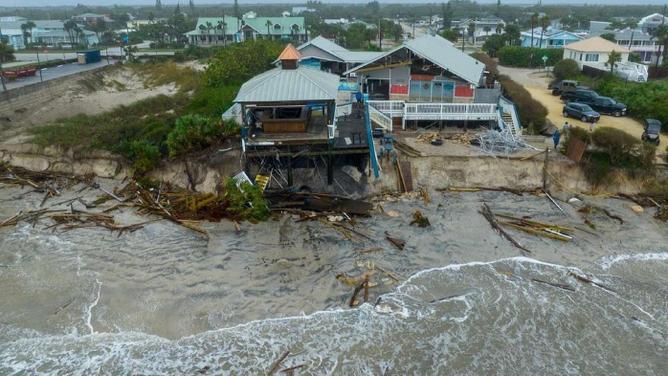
(552, 38)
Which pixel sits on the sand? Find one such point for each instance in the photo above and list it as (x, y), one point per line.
(536, 83)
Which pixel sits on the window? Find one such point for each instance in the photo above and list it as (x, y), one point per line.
(278, 27)
(591, 57)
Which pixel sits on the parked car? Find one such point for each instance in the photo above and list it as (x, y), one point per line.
(652, 131)
(607, 106)
(566, 86)
(580, 111)
(579, 96)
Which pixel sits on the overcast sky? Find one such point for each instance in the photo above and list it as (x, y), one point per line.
(41, 3)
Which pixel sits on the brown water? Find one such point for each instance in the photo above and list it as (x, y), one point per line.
(166, 300)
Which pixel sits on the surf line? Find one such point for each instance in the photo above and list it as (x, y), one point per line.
(90, 308)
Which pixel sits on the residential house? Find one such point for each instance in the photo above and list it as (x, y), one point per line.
(91, 17)
(336, 21)
(296, 11)
(212, 30)
(484, 27)
(551, 38)
(594, 52)
(637, 41)
(322, 53)
(651, 22)
(291, 112)
(429, 79)
(45, 31)
(598, 27)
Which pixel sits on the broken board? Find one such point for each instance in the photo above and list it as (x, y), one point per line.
(406, 175)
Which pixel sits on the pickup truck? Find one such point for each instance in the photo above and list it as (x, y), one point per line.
(566, 86)
(602, 105)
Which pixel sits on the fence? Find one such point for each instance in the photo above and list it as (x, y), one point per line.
(593, 72)
(658, 72)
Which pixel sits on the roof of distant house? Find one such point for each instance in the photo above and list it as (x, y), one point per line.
(342, 53)
(596, 44)
(90, 15)
(652, 18)
(441, 52)
(39, 24)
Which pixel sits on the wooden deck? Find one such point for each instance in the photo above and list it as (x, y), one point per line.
(351, 132)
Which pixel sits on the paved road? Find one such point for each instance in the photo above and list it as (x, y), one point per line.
(54, 72)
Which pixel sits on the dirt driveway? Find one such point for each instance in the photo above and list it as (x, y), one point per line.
(536, 83)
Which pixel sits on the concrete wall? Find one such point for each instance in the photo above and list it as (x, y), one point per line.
(40, 92)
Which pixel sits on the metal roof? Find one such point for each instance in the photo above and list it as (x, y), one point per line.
(258, 23)
(342, 53)
(289, 85)
(443, 53)
(596, 44)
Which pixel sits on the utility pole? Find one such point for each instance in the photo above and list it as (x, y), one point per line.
(158, 4)
(39, 68)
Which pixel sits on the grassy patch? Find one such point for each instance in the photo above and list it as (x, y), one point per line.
(164, 73)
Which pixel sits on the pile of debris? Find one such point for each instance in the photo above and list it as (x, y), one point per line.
(501, 143)
(429, 137)
(288, 200)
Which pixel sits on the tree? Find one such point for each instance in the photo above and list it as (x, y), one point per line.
(6, 55)
(222, 26)
(295, 30)
(565, 68)
(471, 31)
(209, 27)
(534, 22)
(545, 21)
(236, 9)
(486, 29)
(613, 58)
(499, 28)
(513, 33)
(447, 15)
(493, 44)
(450, 34)
(609, 36)
(201, 28)
(69, 28)
(269, 24)
(26, 29)
(98, 27)
(661, 35)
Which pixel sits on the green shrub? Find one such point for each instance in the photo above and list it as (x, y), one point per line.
(239, 62)
(531, 112)
(644, 99)
(197, 132)
(565, 69)
(515, 56)
(143, 154)
(246, 202)
(576, 133)
(494, 44)
(616, 143)
(212, 101)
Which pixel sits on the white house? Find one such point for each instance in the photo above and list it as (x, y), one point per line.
(651, 22)
(594, 51)
(45, 31)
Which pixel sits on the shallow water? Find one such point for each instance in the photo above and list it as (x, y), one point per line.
(165, 300)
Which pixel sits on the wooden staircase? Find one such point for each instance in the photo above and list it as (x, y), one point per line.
(508, 120)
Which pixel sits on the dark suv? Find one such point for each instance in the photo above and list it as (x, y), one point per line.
(580, 111)
(579, 96)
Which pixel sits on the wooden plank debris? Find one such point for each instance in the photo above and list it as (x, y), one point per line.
(278, 363)
(487, 213)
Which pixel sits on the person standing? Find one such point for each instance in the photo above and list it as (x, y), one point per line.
(556, 137)
(358, 97)
(566, 127)
(591, 123)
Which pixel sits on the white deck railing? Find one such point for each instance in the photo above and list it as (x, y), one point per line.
(380, 118)
(432, 111)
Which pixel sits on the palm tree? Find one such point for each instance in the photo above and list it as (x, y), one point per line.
(513, 32)
(613, 58)
(201, 31)
(661, 34)
(499, 28)
(221, 26)
(6, 55)
(545, 21)
(471, 31)
(268, 25)
(26, 28)
(69, 27)
(534, 22)
(295, 29)
(209, 27)
(486, 29)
